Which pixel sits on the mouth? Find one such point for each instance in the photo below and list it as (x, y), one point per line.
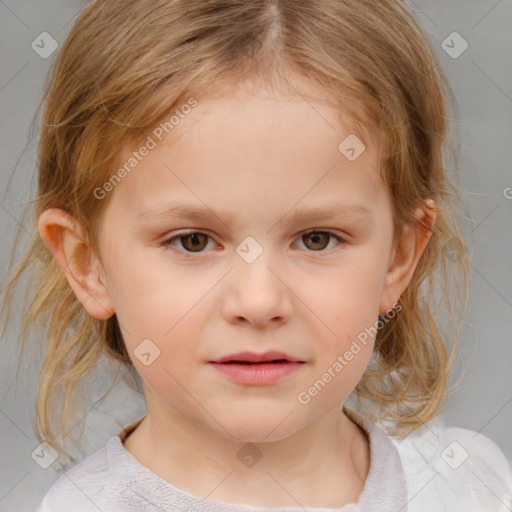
(271, 357)
(274, 361)
(257, 369)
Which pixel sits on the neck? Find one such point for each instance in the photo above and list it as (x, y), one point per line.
(204, 463)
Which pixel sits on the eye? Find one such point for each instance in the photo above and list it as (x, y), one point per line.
(196, 241)
(191, 242)
(317, 241)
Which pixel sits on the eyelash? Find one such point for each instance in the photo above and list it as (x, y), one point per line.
(169, 242)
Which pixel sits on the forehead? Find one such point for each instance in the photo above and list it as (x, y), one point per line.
(264, 142)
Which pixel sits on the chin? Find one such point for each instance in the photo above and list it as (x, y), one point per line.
(252, 429)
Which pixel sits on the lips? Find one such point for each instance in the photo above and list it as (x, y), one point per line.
(254, 358)
(253, 369)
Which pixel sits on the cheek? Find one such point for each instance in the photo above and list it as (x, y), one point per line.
(349, 307)
(163, 362)
(164, 346)
(167, 380)
(149, 293)
(350, 302)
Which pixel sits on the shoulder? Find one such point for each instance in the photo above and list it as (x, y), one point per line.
(85, 485)
(487, 470)
(454, 469)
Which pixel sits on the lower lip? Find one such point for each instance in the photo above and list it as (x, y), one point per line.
(256, 374)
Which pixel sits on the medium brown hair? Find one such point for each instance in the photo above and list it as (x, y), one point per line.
(127, 64)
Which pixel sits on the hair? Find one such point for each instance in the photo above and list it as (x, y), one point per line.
(128, 64)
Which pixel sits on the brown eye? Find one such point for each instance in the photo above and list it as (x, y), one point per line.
(194, 242)
(319, 240)
(191, 242)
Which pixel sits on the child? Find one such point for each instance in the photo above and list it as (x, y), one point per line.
(246, 203)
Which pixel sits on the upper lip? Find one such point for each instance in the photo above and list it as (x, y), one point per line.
(253, 357)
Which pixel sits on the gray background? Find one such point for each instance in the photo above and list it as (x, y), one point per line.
(482, 80)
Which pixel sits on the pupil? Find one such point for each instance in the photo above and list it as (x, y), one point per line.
(196, 240)
(317, 238)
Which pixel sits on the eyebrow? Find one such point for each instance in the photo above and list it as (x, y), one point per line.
(358, 212)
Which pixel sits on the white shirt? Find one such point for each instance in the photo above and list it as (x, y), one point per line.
(435, 469)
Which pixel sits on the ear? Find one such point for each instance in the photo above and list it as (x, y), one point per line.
(406, 254)
(64, 238)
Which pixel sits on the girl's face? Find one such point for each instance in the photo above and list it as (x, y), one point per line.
(249, 175)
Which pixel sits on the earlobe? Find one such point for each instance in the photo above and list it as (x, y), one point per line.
(407, 254)
(63, 237)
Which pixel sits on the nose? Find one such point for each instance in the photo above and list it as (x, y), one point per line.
(258, 293)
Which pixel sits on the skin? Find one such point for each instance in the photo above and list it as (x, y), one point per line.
(260, 157)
